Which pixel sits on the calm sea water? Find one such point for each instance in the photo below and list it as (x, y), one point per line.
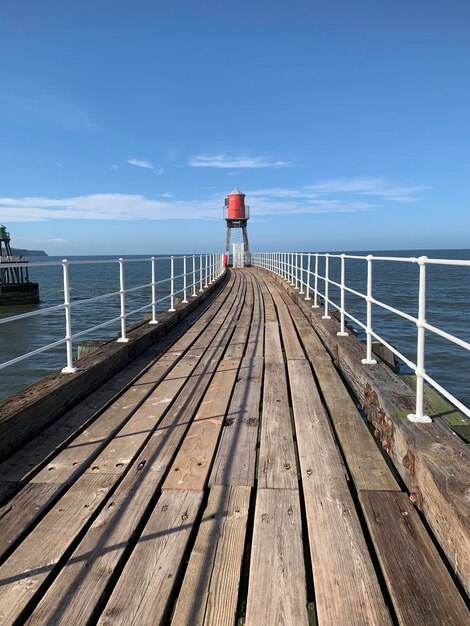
(396, 284)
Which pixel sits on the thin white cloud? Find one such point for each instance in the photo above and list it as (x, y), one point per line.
(140, 163)
(146, 165)
(377, 187)
(222, 161)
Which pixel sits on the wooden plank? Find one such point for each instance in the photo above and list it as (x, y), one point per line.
(272, 340)
(277, 466)
(236, 456)
(143, 592)
(365, 462)
(193, 461)
(277, 584)
(421, 589)
(236, 348)
(27, 569)
(310, 340)
(255, 346)
(292, 346)
(346, 587)
(269, 308)
(209, 592)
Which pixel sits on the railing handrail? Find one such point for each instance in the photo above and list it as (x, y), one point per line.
(286, 265)
(210, 264)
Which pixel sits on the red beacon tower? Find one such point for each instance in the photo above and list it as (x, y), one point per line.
(237, 214)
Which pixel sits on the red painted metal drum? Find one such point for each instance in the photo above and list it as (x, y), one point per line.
(236, 205)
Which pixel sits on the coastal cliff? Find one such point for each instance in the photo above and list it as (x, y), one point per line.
(28, 253)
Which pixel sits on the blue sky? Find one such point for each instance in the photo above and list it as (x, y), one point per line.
(124, 124)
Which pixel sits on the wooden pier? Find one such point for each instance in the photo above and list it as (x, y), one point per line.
(225, 478)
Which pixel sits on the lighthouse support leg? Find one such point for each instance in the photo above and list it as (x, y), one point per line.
(247, 249)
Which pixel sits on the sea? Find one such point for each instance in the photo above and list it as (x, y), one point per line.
(394, 283)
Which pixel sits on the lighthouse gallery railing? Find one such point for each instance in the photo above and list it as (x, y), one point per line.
(301, 270)
(198, 272)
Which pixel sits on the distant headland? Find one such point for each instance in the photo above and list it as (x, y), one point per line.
(28, 253)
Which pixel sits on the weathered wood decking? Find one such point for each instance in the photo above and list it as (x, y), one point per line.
(232, 482)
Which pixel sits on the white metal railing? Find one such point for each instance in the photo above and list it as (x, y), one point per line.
(194, 268)
(296, 269)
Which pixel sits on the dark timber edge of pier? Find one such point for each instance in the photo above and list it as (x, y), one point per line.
(226, 478)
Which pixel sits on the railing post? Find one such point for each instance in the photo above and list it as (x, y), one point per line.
(342, 332)
(193, 294)
(291, 281)
(307, 295)
(154, 293)
(296, 270)
(68, 369)
(420, 416)
(172, 285)
(315, 285)
(200, 273)
(185, 282)
(369, 360)
(122, 293)
(205, 273)
(326, 316)
(301, 273)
